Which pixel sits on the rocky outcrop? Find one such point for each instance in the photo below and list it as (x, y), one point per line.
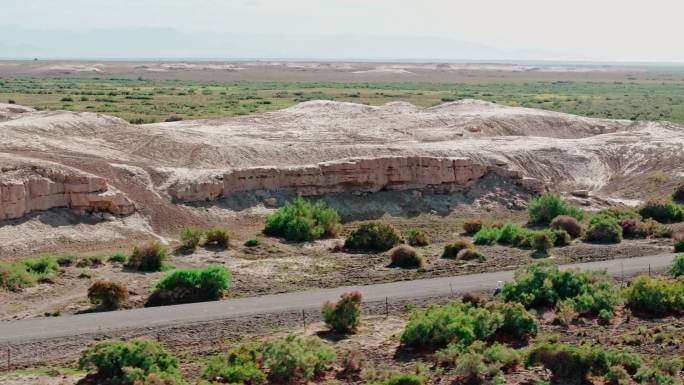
(356, 174)
(31, 188)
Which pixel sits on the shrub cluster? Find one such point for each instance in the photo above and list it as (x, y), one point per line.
(42, 268)
(472, 226)
(108, 294)
(471, 254)
(373, 236)
(417, 238)
(634, 228)
(300, 221)
(451, 250)
(663, 211)
(14, 277)
(542, 284)
(678, 239)
(655, 296)
(462, 323)
(190, 285)
(147, 257)
(517, 236)
(548, 206)
(217, 236)
(252, 242)
(406, 257)
(603, 229)
(118, 258)
(345, 315)
(678, 195)
(134, 362)
(290, 359)
(478, 362)
(676, 268)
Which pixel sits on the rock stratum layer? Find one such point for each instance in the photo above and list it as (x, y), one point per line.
(356, 174)
(319, 147)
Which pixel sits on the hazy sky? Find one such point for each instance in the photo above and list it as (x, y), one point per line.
(612, 30)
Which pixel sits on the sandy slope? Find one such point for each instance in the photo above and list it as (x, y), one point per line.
(611, 158)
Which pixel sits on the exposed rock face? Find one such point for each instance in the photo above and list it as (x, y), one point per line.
(355, 174)
(28, 188)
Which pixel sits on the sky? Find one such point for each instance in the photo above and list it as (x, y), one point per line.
(580, 30)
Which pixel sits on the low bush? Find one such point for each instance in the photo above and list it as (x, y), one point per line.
(42, 268)
(678, 195)
(345, 315)
(300, 221)
(405, 379)
(662, 210)
(543, 241)
(65, 260)
(118, 258)
(655, 296)
(548, 206)
(451, 250)
(190, 238)
(110, 295)
(147, 257)
(252, 243)
(543, 285)
(462, 323)
(133, 362)
(649, 228)
(561, 238)
(471, 254)
(570, 224)
(568, 364)
(406, 257)
(676, 268)
(239, 366)
(603, 229)
(621, 213)
(14, 277)
(217, 236)
(472, 226)
(190, 285)
(417, 238)
(487, 236)
(300, 358)
(654, 376)
(510, 234)
(373, 236)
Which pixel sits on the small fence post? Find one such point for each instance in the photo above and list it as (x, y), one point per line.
(9, 358)
(304, 319)
(649, 270)
(451, 289)
(386, 307)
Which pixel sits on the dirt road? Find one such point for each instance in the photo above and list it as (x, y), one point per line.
(46, 328)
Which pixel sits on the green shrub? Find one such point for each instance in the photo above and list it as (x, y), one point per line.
(678, 238)
(300, 221)
(543, 285)
(510, 234)
(296, 357)
(239, 366)
(621, 213)
(416, 238)
(147, 257)
(462, 323)
(451, 250)
(345, 315)
(14, 277)
(110, 295)
(570, 224)
(218, 237)
(487, 236)
(655, 377)
(252, 243)
(118, 257)
(548, 206)
(471, 254)
(676, 268)
(190, 285)
(190, 238)
(96, 260)
(128, 362)
(662, 210)
(472, 226)
(373, 236)
(542, 242)
(470, 365)
(561, 238)
(670, 366)
(42, 268)
(655, 296)
(603, 229)
(406, 257)
(405, 379)
(65, 260)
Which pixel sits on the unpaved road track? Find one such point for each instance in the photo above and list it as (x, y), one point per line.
(46, 328)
